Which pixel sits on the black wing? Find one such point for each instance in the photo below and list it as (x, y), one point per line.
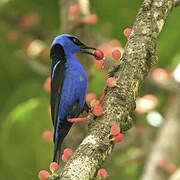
(57, 56)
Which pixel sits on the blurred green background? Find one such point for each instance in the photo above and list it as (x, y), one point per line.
(24, 103)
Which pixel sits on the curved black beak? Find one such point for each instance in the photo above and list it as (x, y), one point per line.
(83, 47)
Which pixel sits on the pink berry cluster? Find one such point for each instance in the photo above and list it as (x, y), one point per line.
(68, 152)
(127, 32)
(75, 16)
(109, 46)
(99, 54)
(146, 103)
(43, 174)
(102, 174)
(28, 21)
(115, 132)
(159, 75)
(47, 84)
(116, 54)
(167, 166)
(97, 110)
(111, 82)
(99, 58)
(47, 135)
(91, 99)
(113, 47)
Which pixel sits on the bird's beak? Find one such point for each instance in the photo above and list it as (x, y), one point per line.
(83, 47)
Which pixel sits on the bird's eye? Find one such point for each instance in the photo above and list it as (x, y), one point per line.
(76, 41)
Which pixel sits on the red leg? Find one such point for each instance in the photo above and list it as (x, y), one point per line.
(77, 119)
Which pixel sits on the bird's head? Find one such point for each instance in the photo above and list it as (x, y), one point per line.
(71, 44)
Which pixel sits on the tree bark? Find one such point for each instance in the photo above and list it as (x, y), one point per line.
(138, 58)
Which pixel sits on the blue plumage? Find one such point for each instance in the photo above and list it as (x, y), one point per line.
(68, 86)
(74, 89)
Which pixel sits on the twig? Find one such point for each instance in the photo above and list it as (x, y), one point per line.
(33, 64)
(169, 85)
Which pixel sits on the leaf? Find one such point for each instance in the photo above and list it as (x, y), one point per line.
(21, 111)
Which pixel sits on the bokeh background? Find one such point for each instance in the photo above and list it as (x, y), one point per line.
(27, 29)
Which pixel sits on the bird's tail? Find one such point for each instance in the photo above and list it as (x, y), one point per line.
(63, 131)
(57, 149)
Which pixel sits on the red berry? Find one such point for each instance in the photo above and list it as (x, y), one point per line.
(47, 84)
(102, 174)
(99, 63)
(146, 103)
(92, 19)
(111, 82)
(99, 54)
(12, 36)
(47, 136)
(74, 10)
(29, 20)
(43, 174)
(94, 102)
(64, 158)
(160, 75)
(54, 167)
(163, 163)
(115, 130)
(119, 138)
(171, 168)
(116, 54)
(127, 32)
(98, 110)
(68, 152)
(90, 97)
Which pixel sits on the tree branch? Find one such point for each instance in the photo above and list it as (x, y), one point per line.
(169, 86)
(119, 103)
(33, 64)
(166, 146)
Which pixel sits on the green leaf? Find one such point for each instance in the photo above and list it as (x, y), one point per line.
(21, 111)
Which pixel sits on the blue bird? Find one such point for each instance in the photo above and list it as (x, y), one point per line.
(68, 86)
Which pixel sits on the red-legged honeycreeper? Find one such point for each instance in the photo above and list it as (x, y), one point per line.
(68, 86)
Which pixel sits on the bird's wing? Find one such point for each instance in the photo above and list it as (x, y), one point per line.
(57, 77)
(73, 95)
(69, 106)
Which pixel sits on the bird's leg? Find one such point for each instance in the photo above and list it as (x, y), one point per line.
(85, 108)
(88, 109)
(77, 119)
(102, 98)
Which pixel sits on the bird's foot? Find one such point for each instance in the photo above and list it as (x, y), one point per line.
(77, 119)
